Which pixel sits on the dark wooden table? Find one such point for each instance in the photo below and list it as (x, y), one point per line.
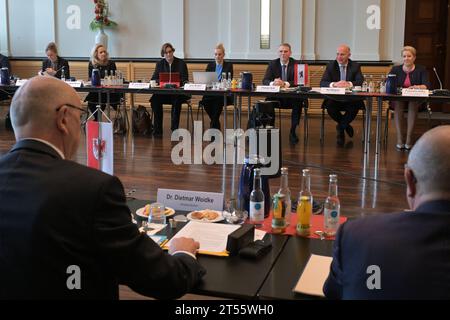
(289, 266)
(230, 277)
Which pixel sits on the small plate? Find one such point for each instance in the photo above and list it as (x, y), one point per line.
(169, 212)
(191, 216)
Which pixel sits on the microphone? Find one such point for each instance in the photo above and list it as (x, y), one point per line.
(440, 91)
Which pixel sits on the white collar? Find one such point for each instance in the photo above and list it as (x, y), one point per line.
(50, 145)
(284, 64)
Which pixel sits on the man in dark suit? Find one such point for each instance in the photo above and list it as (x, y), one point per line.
(170, 64)
(280, 72)
(342, 73)
(214, 105)
(403, 255)
(65, 229)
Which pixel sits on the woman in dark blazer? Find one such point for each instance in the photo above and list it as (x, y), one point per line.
(100, 60)
(214, 105)
(409, 75)
(54, 65)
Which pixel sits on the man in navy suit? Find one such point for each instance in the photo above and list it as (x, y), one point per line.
(57, 216)
(280, 72)
(342, 73)
(404, 255)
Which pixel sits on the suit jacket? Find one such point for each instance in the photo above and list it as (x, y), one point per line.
(178, 65)
(273, 71)
(56, 214)
(412, 250)
(227, 67)
(418, 76)
(333, 74)
(61, 63)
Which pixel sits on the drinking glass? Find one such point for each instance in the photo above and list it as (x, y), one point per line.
(156, 213)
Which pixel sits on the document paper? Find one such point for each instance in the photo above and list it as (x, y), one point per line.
(211, 236)
(314, 275)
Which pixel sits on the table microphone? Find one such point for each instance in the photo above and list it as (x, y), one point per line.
(440, 92)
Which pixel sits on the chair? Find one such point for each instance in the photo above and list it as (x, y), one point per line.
(322, 124)
(423, 108)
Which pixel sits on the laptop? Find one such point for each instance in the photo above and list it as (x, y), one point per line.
(203, 77)
(171, 79)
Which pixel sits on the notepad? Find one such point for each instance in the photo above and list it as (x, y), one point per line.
(314, 276)
(211, 236)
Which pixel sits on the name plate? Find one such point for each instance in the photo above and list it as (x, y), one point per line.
(190, 200)
(139, 85)
(415, 92)
(270, 89)
(21, 82)
(332, 90)
(75, 84)
(195, 87)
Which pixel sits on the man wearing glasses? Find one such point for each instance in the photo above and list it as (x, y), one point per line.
(176, 67)
(57, 215)
(403, 255)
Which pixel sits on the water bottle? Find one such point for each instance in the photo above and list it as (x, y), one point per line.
(257, 200)
(63, 74)
(332, 208)
(5, 77)
(383, 84)
(95, 78)
(284, 189)
(371, 84)
(365, 86)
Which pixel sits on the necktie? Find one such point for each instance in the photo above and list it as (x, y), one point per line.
(283, 73)
(343, 74)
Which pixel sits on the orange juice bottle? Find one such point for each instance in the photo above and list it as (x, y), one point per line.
(304, 206)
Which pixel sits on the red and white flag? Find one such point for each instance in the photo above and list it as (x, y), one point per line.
(301, 74)
(100, 149)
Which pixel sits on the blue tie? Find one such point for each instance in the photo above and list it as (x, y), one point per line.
(343, 74)
(283, 73)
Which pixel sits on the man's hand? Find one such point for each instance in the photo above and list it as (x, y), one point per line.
(184, 244)
(342, 84)
(278, 82)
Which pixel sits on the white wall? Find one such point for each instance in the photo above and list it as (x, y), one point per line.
(313, 27)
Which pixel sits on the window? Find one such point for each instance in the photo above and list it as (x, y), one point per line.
(264, 41)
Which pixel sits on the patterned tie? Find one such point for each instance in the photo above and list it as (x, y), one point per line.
(343, 74)
(283, 73)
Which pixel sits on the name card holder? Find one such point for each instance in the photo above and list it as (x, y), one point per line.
(190, 200)
(415, 92)
(139, 85)
(325, 90)
(195, 87)
(21, 82)
(75, 84)
(270, 89)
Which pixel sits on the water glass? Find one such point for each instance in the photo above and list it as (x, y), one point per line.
(156, 213)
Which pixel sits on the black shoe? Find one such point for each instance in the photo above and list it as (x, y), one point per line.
(349, 131)
(293, 139)
(340, 137)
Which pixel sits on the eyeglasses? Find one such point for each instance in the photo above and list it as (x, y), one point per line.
(169, 52)
(73, 107)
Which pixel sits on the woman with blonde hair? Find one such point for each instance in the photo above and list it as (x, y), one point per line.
(54, 65)
(214, 105)
(413, 76)
(106, 67)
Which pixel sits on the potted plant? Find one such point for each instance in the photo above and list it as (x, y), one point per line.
(101, 21)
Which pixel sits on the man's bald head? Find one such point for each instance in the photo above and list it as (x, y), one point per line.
(33, 108)
(343, 54)
(429, 161)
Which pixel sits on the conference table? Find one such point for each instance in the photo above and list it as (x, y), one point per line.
(271, 277)
(239, 94)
